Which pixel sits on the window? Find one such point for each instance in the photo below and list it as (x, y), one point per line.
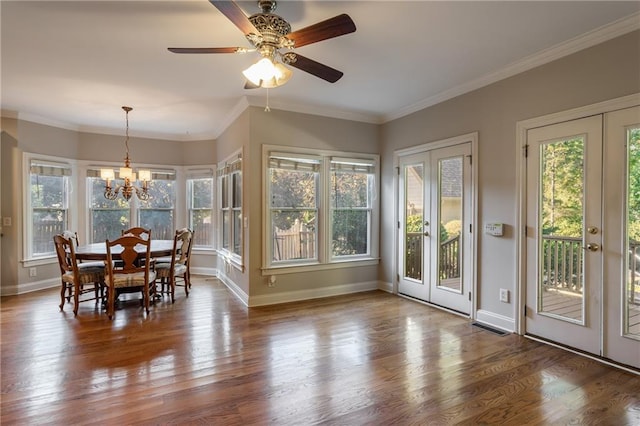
(107, 218)
(352, 193)
(48, 205)
(200, 207)
(230, 202)
(322, 208)
(293, 189)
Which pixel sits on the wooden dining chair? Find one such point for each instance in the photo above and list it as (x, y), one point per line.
(128, 274)
(138, 231)
(178, 266)
(75, 277)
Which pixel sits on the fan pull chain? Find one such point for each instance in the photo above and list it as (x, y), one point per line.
(267, 109)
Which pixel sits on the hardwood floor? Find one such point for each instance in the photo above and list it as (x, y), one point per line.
(368, 358)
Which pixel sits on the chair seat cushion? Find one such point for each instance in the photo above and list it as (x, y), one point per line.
(164, 269)
(165, 259)
(132, 280)
(87, 275)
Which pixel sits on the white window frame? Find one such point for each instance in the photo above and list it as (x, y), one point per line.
(325, 258)
(206, 172)
(29, 160)
(228, 168)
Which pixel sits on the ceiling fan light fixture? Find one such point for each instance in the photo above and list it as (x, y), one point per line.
(266, 74)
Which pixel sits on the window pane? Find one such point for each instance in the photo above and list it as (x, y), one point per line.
(225, 229)
(294, 234)
(293, 188)
(632, 299)
(108, 217)
(49, 211)
(560, 286)
(162, 194)
(350, 189)
(159, 221)
(46, 224)
(350, 232)
(97, 201)
(200, 223)
(224, 191)
(237, 189)
(237, 232)
(201, 193)
(107, 224)
(48, 191)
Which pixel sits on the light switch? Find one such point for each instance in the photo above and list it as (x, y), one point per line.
(6, 221)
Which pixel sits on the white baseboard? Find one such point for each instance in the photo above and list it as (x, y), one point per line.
(306, 294)
(210, 272)
(496, 320)
(12, 290)
(388, 287)
(237, 291)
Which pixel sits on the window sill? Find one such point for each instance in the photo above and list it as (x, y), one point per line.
(231, 259)
(338, 264)
(28, 263)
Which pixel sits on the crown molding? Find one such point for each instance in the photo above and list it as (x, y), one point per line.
(576, 44)
(323, 111)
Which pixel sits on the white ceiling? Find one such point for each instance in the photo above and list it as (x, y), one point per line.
(75, 63)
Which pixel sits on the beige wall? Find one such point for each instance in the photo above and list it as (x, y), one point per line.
(600, 73)
(308, 131)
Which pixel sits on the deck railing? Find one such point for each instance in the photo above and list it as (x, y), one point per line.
(634, 272)
(562, 263)
(449, 257)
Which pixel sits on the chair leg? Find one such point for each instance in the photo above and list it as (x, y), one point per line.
(111, 301)
(187, 283)
(63, 290)
(172, 283)
(76, 297)
(145, 296)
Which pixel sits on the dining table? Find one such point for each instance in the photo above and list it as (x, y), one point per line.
(98, 251)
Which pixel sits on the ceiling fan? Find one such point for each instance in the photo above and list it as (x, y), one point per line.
(268, 33)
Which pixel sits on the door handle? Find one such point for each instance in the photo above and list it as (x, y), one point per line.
(426, 233)
(592, 247)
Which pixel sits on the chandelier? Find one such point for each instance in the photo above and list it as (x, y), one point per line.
(126, 173)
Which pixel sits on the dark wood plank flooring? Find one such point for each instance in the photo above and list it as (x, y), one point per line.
(363, 359)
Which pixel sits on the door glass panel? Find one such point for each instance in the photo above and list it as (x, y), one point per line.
(414, 220)
(632, 299)
(561, 277)
(450, 215)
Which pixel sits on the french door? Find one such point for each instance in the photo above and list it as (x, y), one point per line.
(583, 234)
(434, 218)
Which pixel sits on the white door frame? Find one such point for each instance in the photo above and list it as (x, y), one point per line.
(456, 140)
(521, 181)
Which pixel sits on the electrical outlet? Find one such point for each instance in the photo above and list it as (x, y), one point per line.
(504, 295)
(33, 272)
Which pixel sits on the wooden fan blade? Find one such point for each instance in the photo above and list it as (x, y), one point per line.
(316, 68)
(205, 49)
(233, 12)
(333, 27)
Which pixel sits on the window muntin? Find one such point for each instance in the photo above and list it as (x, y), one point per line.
(200, 208)
(49, 188)
(322, 208)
